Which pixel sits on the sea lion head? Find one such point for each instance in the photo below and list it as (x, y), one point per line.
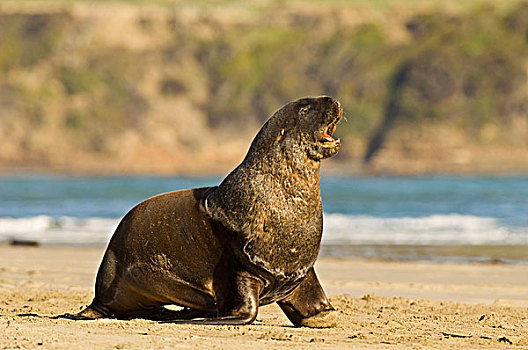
(314, 123)
(301, 129)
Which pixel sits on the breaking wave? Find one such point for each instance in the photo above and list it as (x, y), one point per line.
(450, 229)
(339, 229)
(63, 230)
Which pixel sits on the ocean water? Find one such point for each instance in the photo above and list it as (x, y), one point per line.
(420, 218)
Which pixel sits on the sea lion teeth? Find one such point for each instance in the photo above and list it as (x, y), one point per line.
(221, 252)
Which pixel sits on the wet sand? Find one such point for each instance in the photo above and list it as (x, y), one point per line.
(382, 305)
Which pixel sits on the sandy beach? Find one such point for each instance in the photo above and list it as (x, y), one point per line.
(382, 305)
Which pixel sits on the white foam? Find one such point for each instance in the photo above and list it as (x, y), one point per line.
(435, 229)
(339, 229)
(62, 230)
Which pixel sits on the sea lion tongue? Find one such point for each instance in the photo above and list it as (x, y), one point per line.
(271, 202)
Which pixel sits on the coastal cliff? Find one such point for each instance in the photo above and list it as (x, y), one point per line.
(182, 87)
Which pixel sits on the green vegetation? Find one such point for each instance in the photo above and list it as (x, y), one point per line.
(253, 74)
(471, 68)
(468, 68)
(27, 39)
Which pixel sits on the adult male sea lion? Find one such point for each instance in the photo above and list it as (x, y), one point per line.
(221, 252)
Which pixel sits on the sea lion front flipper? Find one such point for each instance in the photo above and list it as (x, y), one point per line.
(308, 305)
(237, 300)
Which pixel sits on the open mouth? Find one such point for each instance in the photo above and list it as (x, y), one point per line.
(330, 129)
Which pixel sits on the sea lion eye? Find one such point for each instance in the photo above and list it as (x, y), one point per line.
(304, 110)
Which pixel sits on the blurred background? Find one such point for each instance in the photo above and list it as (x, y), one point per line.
(435, 92)
(181, 87)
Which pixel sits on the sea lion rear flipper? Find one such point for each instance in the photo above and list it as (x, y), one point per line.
(238, 301)
(88, 313)
(308, 305)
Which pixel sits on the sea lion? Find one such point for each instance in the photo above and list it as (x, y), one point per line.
(221, 252)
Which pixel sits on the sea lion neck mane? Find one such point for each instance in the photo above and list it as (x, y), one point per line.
(271, 202)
